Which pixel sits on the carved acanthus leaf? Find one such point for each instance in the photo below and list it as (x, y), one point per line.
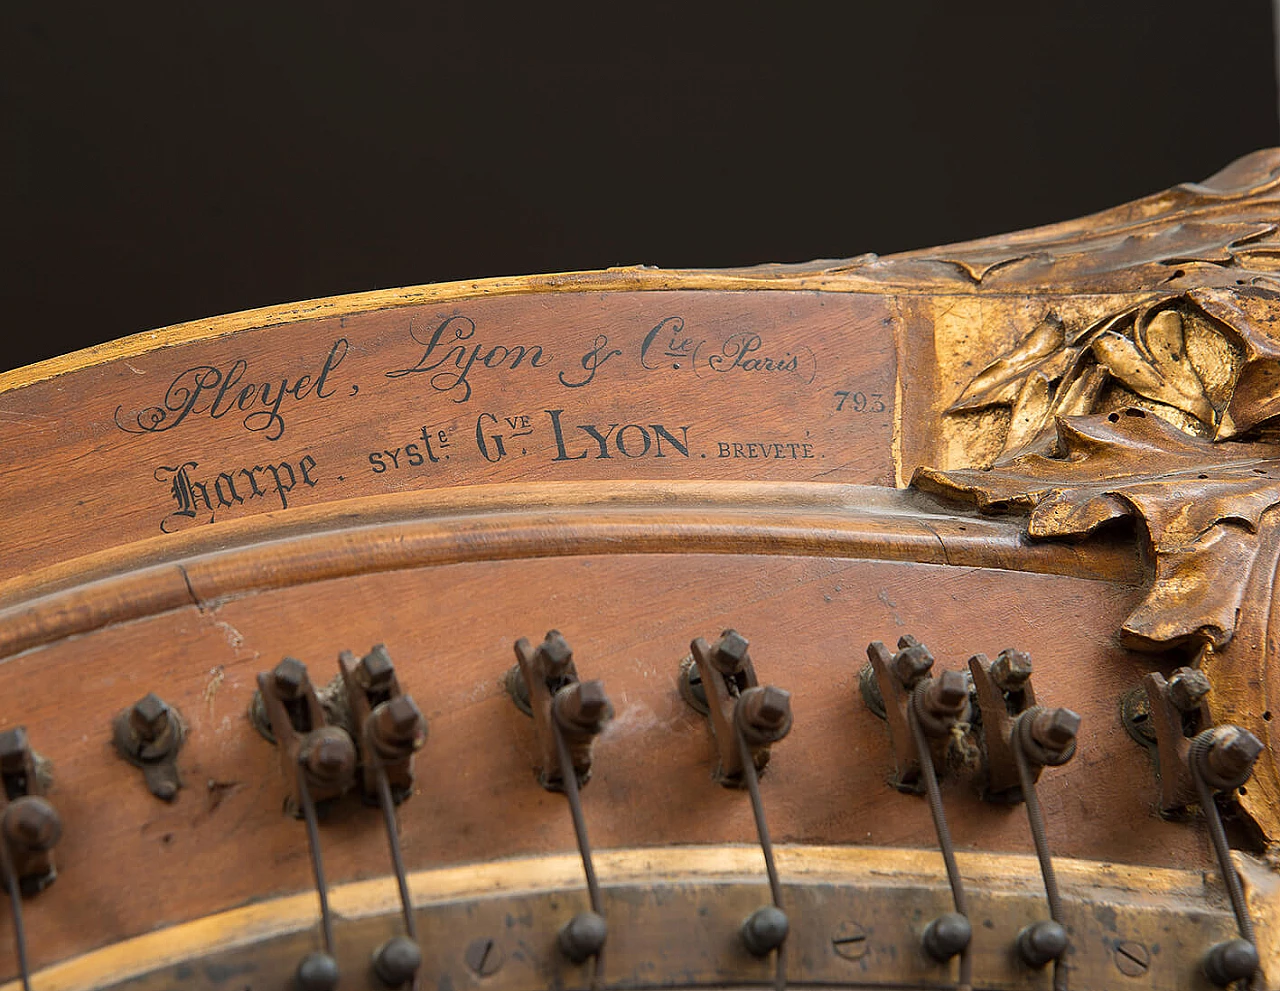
(1154, 363)
(1204, 505)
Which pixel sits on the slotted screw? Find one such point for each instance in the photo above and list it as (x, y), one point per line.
(1132, 959)
(850, 941)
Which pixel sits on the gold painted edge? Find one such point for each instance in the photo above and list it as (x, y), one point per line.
(1099, 882)
(624, 279)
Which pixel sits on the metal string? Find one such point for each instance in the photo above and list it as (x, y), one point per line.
(1036, 820)
(15, 898)
(317, 865)
(925, 757)
(766, 844)
(570, 778)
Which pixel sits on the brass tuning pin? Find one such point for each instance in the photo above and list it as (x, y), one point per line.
(391, 730)
(30, 828)
(922, 711)
(746, 719)
(568, 715)
(320, 762)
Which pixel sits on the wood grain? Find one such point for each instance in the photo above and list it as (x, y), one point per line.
(130, 863)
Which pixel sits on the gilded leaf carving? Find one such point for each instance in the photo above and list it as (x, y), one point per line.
(1202, 506)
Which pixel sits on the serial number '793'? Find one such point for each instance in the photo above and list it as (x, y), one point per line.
(860, 402)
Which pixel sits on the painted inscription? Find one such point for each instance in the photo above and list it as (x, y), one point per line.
(201, 496)
(454, 356)
(207, 390)
(743, 352)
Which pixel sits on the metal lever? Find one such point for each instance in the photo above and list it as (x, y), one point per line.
(1221, 760)
(568, 715)
(1004, 692)
(391, 731)
(320, 762)
(30, 828)
(937, 704)
(1043, 738)
(746, 720)
(1177, 710)
(894, 675)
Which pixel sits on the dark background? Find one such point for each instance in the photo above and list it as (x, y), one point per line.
(167, 162)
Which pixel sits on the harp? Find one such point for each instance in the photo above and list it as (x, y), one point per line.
(899, 622)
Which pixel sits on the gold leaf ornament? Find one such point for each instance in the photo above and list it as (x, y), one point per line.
(1155, 363)
(1002, 381)
(1203, 506)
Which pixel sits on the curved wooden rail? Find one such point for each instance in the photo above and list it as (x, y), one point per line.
(252, 942)
(480, 523)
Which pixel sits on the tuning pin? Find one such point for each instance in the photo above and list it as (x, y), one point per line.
(568, 715)
(1043, 738)
(30, 828)
(320, 763)
(736, 700)
(746, 719)
(1004, 692)
(1221, 759)
(922, 711)
(149, 735)
(391, 730)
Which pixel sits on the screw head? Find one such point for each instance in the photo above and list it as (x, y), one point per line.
(850, 941)
(396, 961)
(1011, 670)
(583, 936)
(556, 652)
(583, 706)
(764, 930)
(483, 957)
(289, 678)
(149, 717)
(1187, 688)
(376, 668)
(912, 663)
(32, 823)
(1132, 958)
(764, 713)
(774, 708)
(329, 754)
(729, 653)
(1231, 960)
(1041, 942)
(952, 690)
(399, 719)
(593, 703)
(946, 936)
(1055, 729)
(317, 972)
(1233, 750)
